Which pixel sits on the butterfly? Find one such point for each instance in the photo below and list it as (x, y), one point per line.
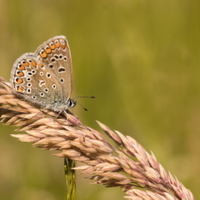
(44, 77)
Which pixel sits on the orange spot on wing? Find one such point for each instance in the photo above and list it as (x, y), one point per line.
(52, 46)
(21, 67)
(25, 64)
(19, 80)
(57, 45)
(48, 50)
(43, 54)
(20, 74)
(63, 46)
(20, 89)
(40, 65)
(33, 64)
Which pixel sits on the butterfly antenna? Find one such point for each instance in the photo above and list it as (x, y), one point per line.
(82, 106)
(83, 97)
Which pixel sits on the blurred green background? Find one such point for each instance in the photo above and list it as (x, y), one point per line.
(141, 59)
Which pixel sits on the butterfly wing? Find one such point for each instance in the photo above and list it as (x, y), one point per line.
(56, 56)
(34, 83)
(44, 77)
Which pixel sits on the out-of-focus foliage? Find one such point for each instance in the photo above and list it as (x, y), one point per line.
(141, 59)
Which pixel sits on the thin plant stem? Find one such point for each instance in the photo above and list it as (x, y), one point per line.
(70, 178)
